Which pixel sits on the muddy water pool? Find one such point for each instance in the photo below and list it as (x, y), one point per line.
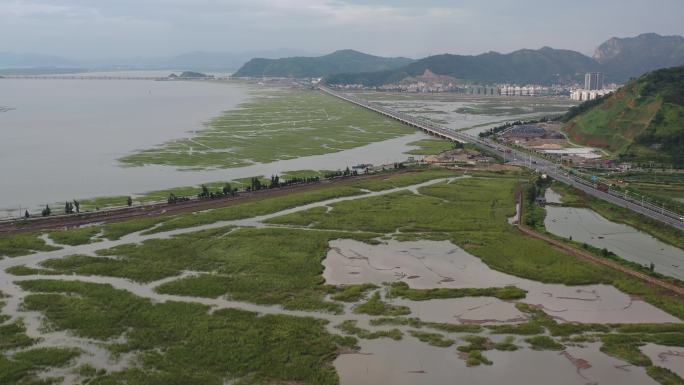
(411, 362)
(430, 264)
(585, 225)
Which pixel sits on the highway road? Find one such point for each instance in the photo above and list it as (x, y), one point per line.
(529, 160)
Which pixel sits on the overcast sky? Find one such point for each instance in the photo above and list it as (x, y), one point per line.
(123, 28)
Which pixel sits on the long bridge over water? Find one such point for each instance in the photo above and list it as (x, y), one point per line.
(525, 159)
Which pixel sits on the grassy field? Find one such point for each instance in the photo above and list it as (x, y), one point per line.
(430, 147)
(74, 237)
(181, 343)
(283, 124)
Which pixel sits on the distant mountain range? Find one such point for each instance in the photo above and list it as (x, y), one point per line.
(619, 59)
(546, 65)
(644, 120)
(631, 57)
(347, 61)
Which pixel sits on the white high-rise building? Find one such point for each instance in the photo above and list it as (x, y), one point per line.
(593, 81)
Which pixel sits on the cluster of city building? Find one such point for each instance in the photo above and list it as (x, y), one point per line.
(430, 87)
(422, 87)
(594, 88)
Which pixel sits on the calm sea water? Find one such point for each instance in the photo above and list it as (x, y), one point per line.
(61, 139)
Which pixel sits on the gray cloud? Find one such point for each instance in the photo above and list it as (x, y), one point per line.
(107, 28)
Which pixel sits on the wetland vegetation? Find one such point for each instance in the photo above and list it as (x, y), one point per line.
(183, 342)
(281, 124)
(281, 264)
(23, 244)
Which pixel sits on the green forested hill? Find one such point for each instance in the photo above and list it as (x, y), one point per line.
(302, 67)
(644, 120)
(545, 65)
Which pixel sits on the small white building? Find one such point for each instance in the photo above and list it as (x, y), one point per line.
(584, 95)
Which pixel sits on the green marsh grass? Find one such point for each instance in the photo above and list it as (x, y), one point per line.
(15, 245)
(75, 237)
(375, 306)
(184, 343)
(349, 327)
(434, 339)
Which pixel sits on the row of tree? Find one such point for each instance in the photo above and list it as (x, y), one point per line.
(256, 184)
(69, 208)
(227, 190)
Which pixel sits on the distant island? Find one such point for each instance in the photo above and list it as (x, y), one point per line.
(190, 75)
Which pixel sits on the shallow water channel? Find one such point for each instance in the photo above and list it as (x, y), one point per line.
(411, 362)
